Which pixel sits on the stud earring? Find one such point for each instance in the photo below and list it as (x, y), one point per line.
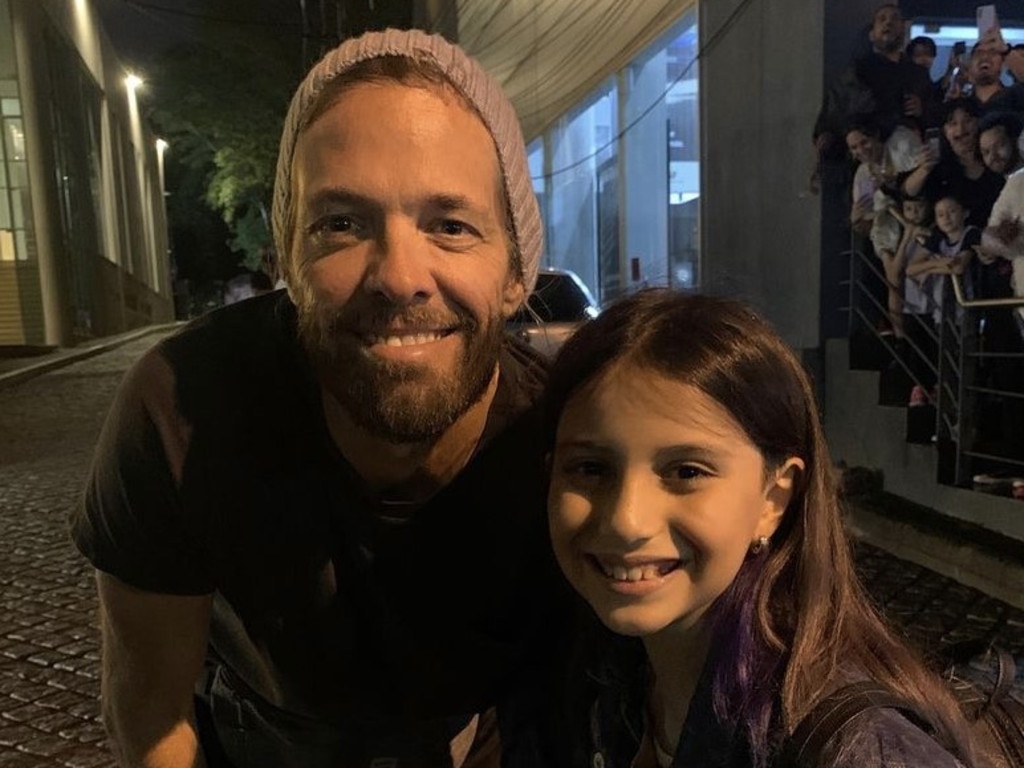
(759, 545)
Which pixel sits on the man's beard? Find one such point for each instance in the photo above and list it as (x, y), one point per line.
(398, 402)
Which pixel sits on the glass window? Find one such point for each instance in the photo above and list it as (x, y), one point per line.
(21, 244)
(10, 107)
(14, 139)
(579, 143)
(7, 245)
(662, 167)
(535, 158)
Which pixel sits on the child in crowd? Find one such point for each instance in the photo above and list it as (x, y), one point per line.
(948, 253)
(693, 506)
(914, 218)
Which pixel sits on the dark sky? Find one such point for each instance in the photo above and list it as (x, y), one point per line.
(141, 28)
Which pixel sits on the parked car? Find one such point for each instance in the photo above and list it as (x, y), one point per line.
(559, 304)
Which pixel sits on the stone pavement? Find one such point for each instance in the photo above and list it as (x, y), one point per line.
(49, 660)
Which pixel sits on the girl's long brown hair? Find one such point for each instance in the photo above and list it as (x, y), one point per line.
(796, 621)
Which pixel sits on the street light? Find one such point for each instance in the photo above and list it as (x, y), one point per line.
(132, 82)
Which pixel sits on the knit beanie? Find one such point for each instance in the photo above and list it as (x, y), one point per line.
(470, 80)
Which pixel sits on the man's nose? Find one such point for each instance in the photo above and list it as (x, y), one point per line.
(400, 267)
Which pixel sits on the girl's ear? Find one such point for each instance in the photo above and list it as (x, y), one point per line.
(778, 494)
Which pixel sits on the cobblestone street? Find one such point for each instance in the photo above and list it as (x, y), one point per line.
(49, 649)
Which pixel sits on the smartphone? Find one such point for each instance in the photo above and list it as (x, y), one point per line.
(931, 137)
(986, 19)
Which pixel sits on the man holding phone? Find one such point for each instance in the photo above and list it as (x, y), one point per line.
(885, 84)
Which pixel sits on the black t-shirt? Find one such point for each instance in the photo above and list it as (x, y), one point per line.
(215, 473)
(978, 195)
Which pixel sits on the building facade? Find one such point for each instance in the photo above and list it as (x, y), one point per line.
(83, 229)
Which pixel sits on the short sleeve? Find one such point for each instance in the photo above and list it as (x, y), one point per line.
(1010, 203)
(129, 521)
(972, 237)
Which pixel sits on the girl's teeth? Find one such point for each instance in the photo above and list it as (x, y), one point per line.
(636, 573)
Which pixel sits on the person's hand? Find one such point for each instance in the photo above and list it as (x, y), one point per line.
(958, 263)
(927, 158)
(1007, 230)
(912, 105)
(862, 209)
(984, 256)
(993, 41)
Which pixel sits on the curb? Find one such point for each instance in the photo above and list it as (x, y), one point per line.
(77, 354)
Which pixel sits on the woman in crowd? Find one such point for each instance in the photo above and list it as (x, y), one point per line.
(693, 506)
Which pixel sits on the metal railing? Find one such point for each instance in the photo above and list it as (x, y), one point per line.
(960, 365)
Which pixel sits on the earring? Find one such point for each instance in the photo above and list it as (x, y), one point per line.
(759, 545)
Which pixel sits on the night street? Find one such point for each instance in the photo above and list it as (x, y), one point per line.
(49, 649)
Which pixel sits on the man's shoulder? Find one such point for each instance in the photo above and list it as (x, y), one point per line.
(251, 334)
(229, 361)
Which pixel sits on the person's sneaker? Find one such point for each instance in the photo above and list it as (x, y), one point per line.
(1017, 491)
(994, 484)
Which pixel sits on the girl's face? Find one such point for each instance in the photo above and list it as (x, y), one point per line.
(656, 496)
(863, 148)
(915, 211)
(961, 131)
(949, 216)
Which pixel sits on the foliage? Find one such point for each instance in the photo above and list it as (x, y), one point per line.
(220, 103)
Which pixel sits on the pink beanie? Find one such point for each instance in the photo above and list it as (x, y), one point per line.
(468, 78)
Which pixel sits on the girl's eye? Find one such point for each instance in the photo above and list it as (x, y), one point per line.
(585, 469)
(684, 472)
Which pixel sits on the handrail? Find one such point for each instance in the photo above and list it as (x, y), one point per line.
(958, 291)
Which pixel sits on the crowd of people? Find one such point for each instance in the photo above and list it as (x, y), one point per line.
(935, 195)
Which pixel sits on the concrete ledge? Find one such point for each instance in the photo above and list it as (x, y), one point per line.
(992, 564)
(31, 367)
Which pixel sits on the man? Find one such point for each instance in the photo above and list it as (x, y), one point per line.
(984, 71)
(1015, 62)
(998, 137)
(922, 51)
(884, 84)
(338, 487)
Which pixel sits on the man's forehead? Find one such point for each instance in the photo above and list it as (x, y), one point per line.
(887, 13)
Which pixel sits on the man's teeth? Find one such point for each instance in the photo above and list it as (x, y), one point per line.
(406, 340)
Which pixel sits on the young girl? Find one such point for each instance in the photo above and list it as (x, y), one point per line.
(948, 253)
(693, 506)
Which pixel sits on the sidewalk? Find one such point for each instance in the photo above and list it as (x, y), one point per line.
(24, 362)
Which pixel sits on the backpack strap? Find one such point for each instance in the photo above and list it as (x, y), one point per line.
(831, 714)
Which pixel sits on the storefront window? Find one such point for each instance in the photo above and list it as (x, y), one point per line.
(662, 168)
(580, 143)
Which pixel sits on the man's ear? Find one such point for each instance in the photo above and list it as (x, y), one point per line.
(778, 494)
(512, 297)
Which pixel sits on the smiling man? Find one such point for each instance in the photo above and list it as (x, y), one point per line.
(317, 516)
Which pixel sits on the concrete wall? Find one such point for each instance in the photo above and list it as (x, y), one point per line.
(862, 433)
(761, 88)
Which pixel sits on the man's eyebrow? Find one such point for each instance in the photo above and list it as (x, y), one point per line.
(333, 197)
(452, 202)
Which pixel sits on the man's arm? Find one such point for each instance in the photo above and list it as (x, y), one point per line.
(154, 646)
